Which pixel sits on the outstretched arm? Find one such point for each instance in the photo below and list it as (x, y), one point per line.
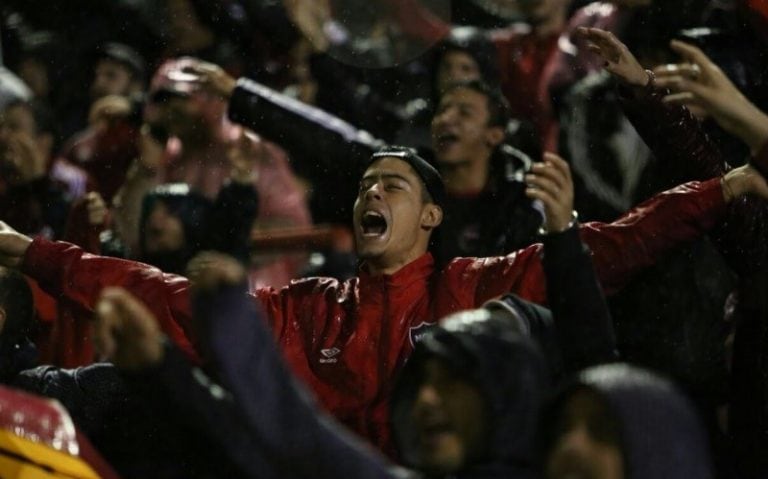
(280, 431)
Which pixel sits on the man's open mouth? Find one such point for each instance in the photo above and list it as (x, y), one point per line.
(373, 224)
(446, 139)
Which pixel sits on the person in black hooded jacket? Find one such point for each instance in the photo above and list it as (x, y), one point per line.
(617, 421)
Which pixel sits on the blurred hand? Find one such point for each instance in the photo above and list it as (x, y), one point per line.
(97, 209)
(551, 183)
(210, 270)
(212, 78)
(13, 246)
(126, 333)
(151, 151)
(109, 108)
(619, 61)
(744, 180)
(698, 82)
(310, 16)
(24, 157)
(245, 153)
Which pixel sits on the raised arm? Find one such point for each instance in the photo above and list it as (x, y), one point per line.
(65, 270)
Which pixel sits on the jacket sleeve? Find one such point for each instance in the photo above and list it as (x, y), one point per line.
(687, 153)
(91, 394)
(620, 249)
(65, 270)
(325, 143)
(583, 325)
(291, 433)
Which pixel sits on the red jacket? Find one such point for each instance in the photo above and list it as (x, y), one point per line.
(349, 340)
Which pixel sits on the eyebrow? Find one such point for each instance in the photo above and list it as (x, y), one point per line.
(385, 176)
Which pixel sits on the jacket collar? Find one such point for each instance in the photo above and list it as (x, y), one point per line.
(419, 269)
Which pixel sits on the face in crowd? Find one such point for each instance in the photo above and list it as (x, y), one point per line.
(462, 131)
(393, 215)
(112, 78)
(449, 417)
(587, 444)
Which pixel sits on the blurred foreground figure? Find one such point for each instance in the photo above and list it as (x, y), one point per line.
(617, 422)
(39, 441)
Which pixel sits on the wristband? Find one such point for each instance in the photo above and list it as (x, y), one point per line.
(574, 220)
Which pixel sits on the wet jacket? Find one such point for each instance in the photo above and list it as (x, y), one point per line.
(334, 154)
(265, 420)
(348, 340)
(660, 435)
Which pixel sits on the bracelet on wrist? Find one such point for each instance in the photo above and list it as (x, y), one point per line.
(574, 221)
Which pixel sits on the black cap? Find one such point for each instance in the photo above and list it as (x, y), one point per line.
(432, 180)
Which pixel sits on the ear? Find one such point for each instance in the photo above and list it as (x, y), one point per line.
(494, 136)
(431, 216)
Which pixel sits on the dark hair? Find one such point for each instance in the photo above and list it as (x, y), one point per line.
(125, 56)
(433, 188)
(475, 43)
(16, 300)
(498, 107)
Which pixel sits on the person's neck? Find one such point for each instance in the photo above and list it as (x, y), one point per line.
(553, 25)
(465, 177)
(380, 266)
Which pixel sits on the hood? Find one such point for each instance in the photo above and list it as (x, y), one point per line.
(662, 436)
(507, 367)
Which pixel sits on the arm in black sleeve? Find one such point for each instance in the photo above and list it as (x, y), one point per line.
(583, 322)
(301, 441)
(324, 142)
(91, 394)
(231, 219)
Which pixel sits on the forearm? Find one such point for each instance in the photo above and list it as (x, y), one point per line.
(673, 134)
(583, 323)
(320, 140)
(640, 237)
(66, 271)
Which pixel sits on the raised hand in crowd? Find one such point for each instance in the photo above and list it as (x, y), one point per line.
(550, 182)
(209, 270)
(212, 78)
(311, 16)
(126, 332)
(24, 158)
(698, 81)
(619, 61)
(245, 152)
(13, 245)
(108, 109)
(97, 209)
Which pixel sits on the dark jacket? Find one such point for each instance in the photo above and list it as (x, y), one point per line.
(660, 435)
(334, 154)
(679, 142)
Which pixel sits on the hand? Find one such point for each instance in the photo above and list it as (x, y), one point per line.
(310, 16)
(698, 82)
(13, 246)
(245, 153)
(551, 183)
(209, 270)
(742, 181)
(25, 158)
(109, 108)
(151, 151)
(97, 209)
(126, 333)
(212, 78)
(619, 61)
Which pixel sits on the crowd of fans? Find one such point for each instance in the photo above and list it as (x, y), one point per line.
(327, 238)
